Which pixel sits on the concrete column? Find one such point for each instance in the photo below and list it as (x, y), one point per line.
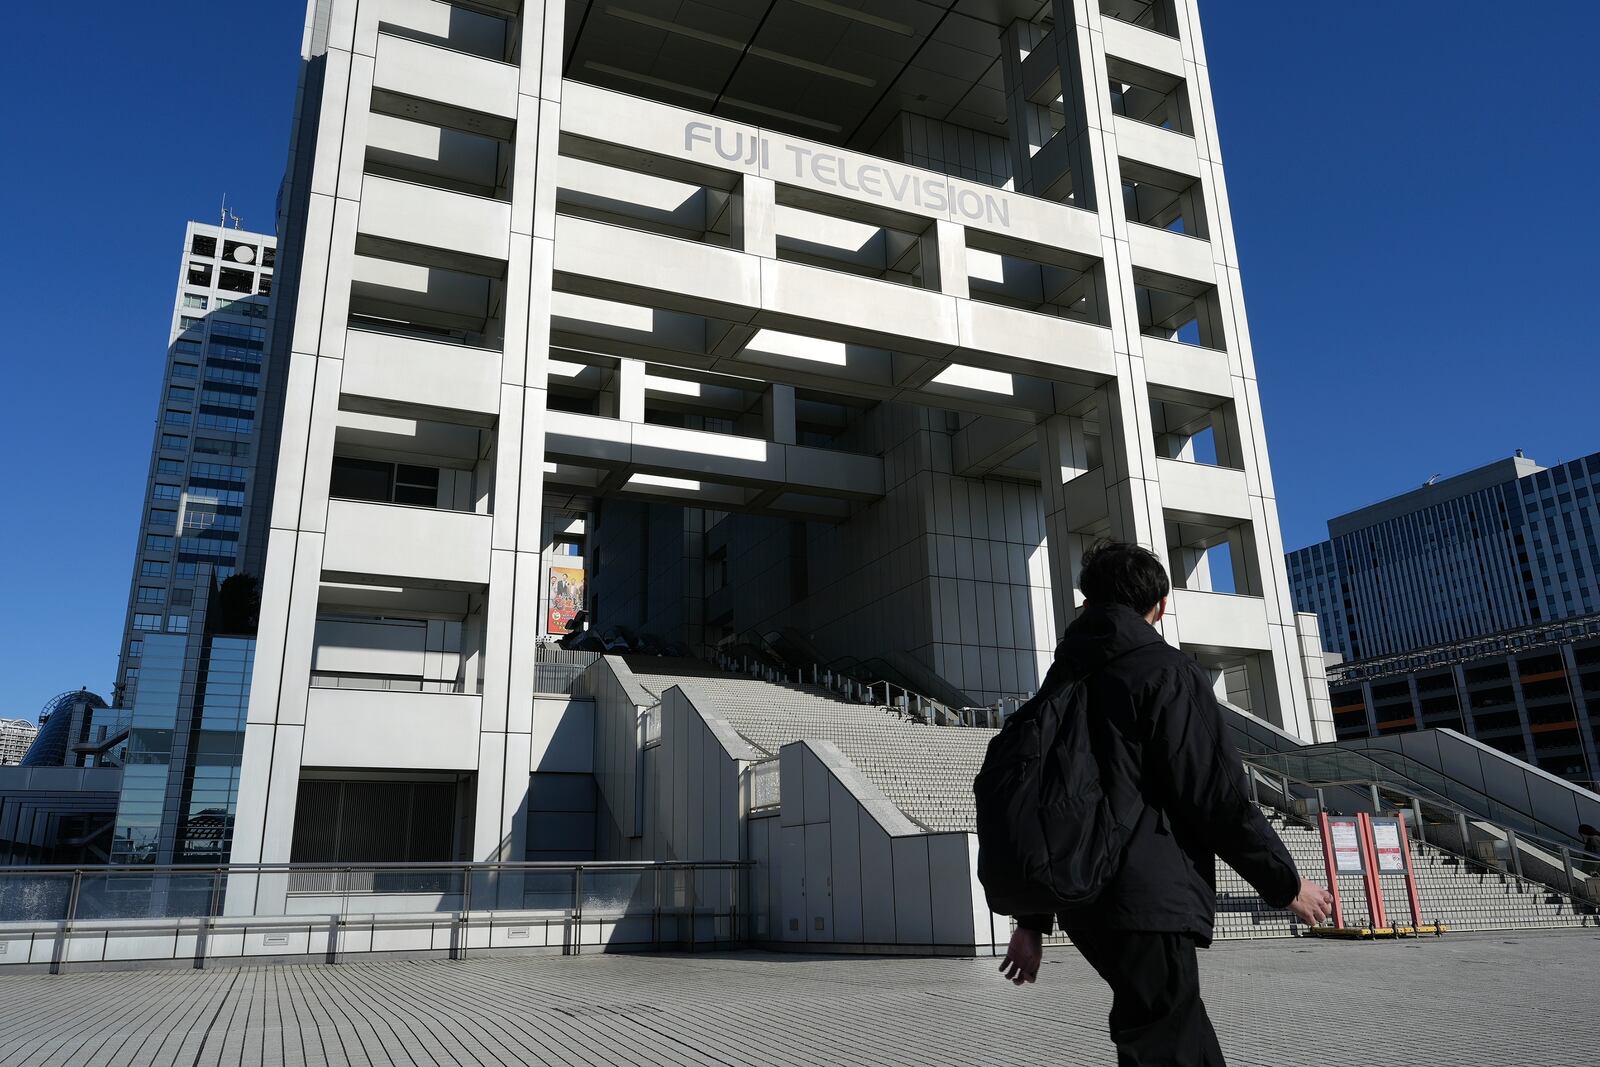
(1064, 454)
(512, 619)
(755, 217)
(1019, 39)
(1522, 705)
(777, 411)
(1582, 709)
(944, 259)
(1464, 701)
(630, 390)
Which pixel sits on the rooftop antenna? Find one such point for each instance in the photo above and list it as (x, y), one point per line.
(227, 214)
(1431, 480)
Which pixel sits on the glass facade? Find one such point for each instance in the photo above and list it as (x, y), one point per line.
(180, 778)
(210, 789)
(151, 733)
(214, 381)
(1439, 566)
(1532, 693)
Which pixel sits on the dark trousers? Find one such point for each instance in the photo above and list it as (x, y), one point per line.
(1157, 1017)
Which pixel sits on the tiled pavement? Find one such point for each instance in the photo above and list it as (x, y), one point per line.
(1471, 999)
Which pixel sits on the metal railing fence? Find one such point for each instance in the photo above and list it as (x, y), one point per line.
(682, 902)
(556, 669)
(1435, 822)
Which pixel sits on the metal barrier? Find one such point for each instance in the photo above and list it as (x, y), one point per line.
(450, 906)
(1557, 866)
(555, 669)
(883, 694)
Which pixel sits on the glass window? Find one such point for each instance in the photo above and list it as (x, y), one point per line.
(163, 518)
(174, 441)
(232, 396)
(204, 246)
(189, 322)
(147, 622)
(235, 281)
(169, 466)
(180, 394)
(165, 492)
(178, 624)
(184, 347)
(176, 418)
(200, 275)
(234, 350)
(238, 251)
(194, 300)
(157, 543)
(240, 331)
(360, 479)
(220, 471)
(130, 676)
(243, 423)
(153, 568)
(188, 571)
(136, 647)
(151, 594)
(212, 447)
(185, 371)
(416, 485)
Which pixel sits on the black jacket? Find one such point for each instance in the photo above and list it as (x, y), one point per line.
(1166, 740)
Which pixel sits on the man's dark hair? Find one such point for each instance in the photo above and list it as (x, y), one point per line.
(1115, 572)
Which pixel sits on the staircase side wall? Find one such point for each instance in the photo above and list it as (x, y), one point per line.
(852, 873)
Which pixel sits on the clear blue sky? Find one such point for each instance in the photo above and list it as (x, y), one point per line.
(1410, 188)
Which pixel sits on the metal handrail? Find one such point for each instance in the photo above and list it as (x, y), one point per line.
(906, 703)
(62, 928)
(1572, 859)
(431, 865)
(1400, 766)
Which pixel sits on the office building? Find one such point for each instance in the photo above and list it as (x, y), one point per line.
(16, 735)
(75, 729)
(184, 733)
(1509, 545)
(833, 327)
(56, 802)
(1531, 692)
(199, 548)
(213, 427)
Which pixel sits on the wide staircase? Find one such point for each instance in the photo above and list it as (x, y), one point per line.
(927, 772)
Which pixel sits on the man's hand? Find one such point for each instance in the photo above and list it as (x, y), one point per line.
(1313, 904)
(1023, 957)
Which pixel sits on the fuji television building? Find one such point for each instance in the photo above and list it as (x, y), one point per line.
(788, 341)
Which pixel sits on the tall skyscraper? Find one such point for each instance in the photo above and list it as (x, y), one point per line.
(208, 437)
(185, 661)
(837, 326)
(1508, 545)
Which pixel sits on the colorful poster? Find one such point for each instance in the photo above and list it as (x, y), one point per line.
(1346, 847)
(1391, 857)
(566, 598)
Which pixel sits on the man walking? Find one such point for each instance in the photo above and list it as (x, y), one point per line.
(1166, 738)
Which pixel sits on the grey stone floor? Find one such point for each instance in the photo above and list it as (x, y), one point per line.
(1480, 999)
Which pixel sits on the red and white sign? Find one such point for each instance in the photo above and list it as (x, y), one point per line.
(1386, 838)
(1346, 846)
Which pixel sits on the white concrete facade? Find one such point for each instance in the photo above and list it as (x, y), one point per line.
(519, 298)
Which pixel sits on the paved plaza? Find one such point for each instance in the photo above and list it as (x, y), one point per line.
(1524, 999)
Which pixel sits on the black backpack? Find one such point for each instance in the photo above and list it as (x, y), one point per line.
(1050, 835)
